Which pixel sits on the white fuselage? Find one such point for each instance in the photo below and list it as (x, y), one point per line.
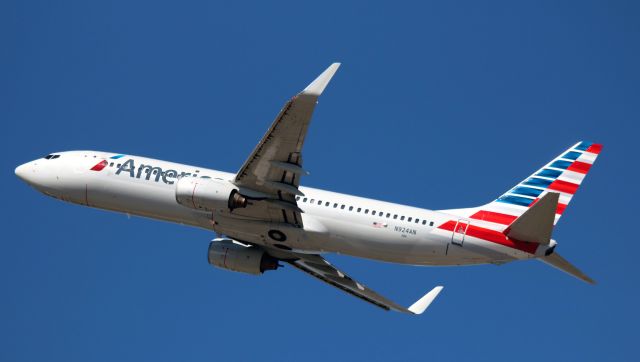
(333, 222)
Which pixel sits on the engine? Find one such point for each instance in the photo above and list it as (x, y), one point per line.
(225, 254)
(208, 194)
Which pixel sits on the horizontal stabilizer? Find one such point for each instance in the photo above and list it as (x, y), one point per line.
(536, 224)
(561, 263)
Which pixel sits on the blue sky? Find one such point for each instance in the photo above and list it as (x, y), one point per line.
(437, 105)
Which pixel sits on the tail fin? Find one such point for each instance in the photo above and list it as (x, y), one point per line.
(561, 263)
(563, 175)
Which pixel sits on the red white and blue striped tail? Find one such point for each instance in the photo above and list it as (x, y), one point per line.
(563, 175)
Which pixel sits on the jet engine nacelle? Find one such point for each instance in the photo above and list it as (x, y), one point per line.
(208, 194)
(225, 254)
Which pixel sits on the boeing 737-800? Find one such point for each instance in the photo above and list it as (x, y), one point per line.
(267, 218)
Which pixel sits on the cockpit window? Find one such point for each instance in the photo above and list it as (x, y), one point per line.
(51, 157)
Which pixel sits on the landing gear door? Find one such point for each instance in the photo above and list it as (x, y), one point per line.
(459, 232)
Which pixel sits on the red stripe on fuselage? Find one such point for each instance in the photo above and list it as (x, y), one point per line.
(493, 236)
(564, 186)
(580, 167)
(496, 217)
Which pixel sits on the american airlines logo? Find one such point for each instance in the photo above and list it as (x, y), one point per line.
(147, 171)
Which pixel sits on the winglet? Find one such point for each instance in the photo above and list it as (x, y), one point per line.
(319, 84)
(424, 302)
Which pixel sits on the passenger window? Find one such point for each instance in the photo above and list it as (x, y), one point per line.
(380, 213)
(395, 216)
(359, 209)
(335, 205)
(409, 219)
(402, 217)
(350, 208)
(388, 215)
(319, 202)
(342, 207)
(431, 223)
(373, 212)
(111, 164)
(312, 201)
(366, 211)
(326, 203)
(297, 198)
(304, 200)
(417, 221)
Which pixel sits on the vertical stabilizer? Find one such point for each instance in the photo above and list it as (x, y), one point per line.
(562, 175)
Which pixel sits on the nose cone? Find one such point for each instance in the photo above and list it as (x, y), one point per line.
(41, 177)
(22, 172)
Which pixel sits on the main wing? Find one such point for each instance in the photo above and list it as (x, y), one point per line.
(274, 168)
(317, 266)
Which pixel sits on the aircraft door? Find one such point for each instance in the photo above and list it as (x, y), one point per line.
(459, 232)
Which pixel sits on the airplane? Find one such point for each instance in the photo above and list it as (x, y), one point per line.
(263, 217)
